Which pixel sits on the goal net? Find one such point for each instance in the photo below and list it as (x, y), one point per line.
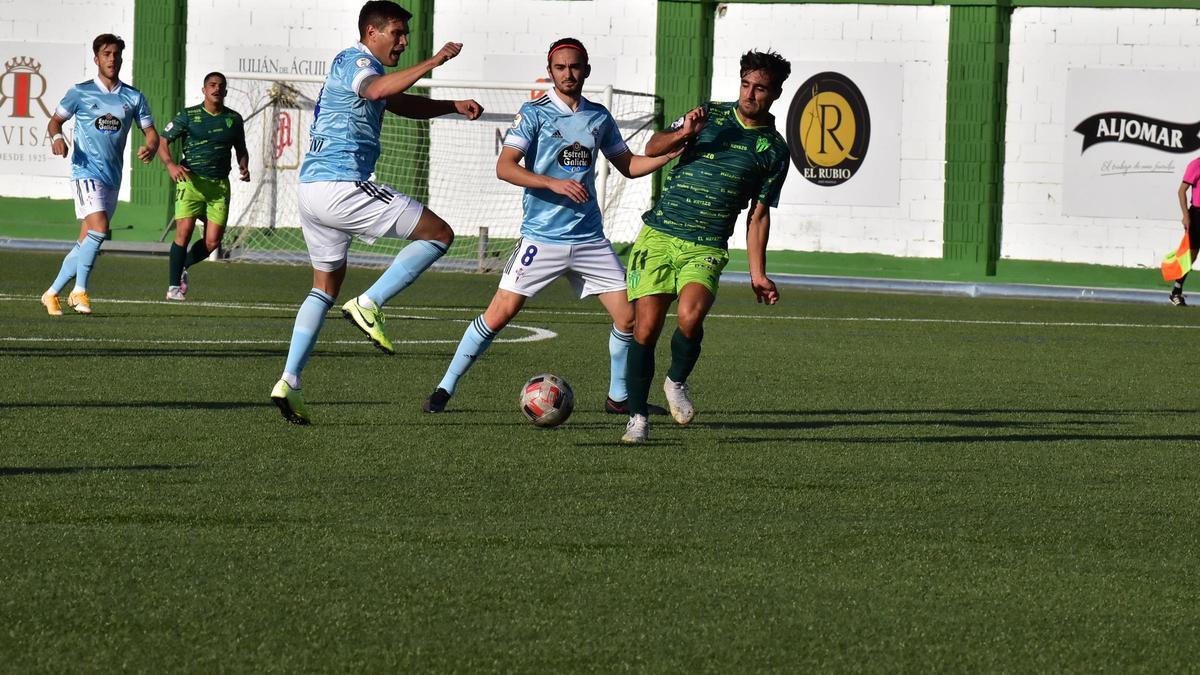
(448, 163)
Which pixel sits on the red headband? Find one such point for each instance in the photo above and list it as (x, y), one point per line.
(568, 46)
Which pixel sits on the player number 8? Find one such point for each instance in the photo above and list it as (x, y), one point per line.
(529, 254)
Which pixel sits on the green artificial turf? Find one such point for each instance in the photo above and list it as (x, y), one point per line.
(872, 483)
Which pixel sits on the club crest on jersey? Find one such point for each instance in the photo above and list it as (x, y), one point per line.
(108, 124)
(575, 158)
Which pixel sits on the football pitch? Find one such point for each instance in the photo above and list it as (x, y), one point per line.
(872, 482)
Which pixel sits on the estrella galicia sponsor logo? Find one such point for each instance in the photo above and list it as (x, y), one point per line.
(108, 124)
(575, 158)
(828, 129)
(1123, 127)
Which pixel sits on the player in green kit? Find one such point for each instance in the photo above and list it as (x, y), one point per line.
(208, 131)
(732, 157)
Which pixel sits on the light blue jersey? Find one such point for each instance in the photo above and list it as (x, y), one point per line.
(103, 119)
(562, 143)
(344, 137)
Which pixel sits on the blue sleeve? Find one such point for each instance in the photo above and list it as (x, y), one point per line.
(69, 104)
(611, 143)
(145, 119)
(524, 129)
(356, 70)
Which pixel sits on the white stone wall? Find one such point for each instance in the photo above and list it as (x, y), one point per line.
(503, 39)
(222, 34)
(74, 24)
(1045, 44)
(914, 37)
(506, 40)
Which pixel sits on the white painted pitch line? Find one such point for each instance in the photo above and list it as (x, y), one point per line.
(757, 317)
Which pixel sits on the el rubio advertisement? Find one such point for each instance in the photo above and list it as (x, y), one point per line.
(1129, 136)
(842, 125)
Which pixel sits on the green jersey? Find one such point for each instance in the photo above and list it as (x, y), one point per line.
(724, 168)
(207, 139)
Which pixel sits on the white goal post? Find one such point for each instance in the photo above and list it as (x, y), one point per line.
(447, 162)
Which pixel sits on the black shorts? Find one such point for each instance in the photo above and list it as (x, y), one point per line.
(1194, 225)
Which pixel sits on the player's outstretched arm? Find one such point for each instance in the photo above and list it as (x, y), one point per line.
(384, 86)
(54, 130)
(758, 230)
(509, 170)
(421, 108)
(636, 166)
(674, 140)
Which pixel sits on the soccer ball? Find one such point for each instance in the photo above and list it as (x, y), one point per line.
(547, 400)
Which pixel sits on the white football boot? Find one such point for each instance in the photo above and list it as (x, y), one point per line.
(637, 431)
(677, 399)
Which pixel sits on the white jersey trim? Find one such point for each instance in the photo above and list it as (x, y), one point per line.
(100, 85)
(516, 143)
(62, 112)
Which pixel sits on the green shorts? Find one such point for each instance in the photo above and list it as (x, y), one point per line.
(201, 197)
(662, 264)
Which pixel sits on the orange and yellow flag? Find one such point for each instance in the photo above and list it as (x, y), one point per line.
(1178, 262)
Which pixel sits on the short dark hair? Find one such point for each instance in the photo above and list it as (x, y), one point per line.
(567, 42)
(107, 39)
(775, 65)
(215, 73)
(379, 13)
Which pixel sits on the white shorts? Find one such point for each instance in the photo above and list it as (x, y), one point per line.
(592, 268)
(332, 212)
(92, 196)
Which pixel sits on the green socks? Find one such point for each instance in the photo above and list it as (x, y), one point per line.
(684, 353)
(199, 253)
(178, 258)
(639, 371)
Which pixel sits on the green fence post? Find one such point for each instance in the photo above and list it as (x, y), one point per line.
(159, 65)
(975, 108)
(406, 168)
(683, 56)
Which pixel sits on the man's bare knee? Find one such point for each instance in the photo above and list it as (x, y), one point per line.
(431, 227)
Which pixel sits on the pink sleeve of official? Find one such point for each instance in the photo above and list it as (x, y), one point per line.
(1192, 172)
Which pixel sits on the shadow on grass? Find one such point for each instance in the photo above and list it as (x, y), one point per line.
(184, 351)
(977, 438)
(959, 424)
(60, 470)
(172, 405)
(955, 411)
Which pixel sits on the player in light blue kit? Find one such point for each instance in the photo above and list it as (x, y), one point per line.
(337, 199)
(105, 109)
(560, 136)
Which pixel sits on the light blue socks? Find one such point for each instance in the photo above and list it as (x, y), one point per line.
(304, 334)
(475, 341)
(67, 271)
(89, 248)
(618, 356)
(408, 265)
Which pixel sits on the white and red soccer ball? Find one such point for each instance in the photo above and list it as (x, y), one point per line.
(547, 400)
